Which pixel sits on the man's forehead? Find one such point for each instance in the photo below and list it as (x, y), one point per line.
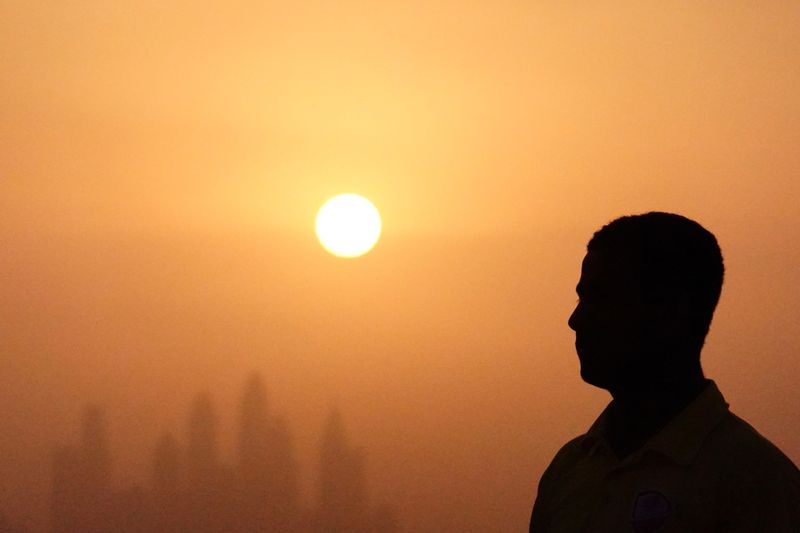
(604, 267)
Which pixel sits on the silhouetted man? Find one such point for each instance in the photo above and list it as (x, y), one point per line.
(666, 454)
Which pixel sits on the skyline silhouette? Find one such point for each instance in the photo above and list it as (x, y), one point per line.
(193, 488)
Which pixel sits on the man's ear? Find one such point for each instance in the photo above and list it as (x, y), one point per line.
(677, 313)
(671, 310)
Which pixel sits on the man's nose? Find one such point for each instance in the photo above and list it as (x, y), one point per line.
(572, 322)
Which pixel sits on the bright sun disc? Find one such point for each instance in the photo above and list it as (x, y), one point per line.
(348, 225)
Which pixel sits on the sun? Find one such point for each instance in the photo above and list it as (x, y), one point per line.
(348, 225)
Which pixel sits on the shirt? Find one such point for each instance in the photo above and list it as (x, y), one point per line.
(707, 470)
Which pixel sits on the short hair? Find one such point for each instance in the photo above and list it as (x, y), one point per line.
(670, 252)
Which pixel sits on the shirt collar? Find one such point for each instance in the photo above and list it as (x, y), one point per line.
(681, 438)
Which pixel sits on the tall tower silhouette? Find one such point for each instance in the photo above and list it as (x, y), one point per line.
(254, 434)
(167, 486)
(81, 498)
(254, 461)
(285, 507)
(266, 465)
(166, 466)
(96, 467)
(203, 470)
(94, 451)
(342, 490)
(202, 459)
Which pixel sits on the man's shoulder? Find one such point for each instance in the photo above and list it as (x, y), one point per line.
(574, 445)
(738, 447)
(569, 454)
(757, 485)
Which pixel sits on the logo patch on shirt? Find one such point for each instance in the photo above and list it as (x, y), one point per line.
(650, 511)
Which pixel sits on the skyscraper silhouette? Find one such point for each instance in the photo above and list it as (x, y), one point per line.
(266, 466)
(254, 458)
(203, 470)
(166, 466)
(285, 507)
(191, 488)
(202, 453)
(81, 476)
(342, 501)
(94, 451)
(168, 491)
(96, 466)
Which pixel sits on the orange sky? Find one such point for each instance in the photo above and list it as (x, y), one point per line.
(161, 164)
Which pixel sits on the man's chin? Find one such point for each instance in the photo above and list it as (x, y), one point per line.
(595, 378)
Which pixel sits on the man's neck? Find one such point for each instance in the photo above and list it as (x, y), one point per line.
(638, 413)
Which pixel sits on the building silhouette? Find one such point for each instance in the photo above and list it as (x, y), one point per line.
(94, 451)
(286, 514)
(254, 461)
(342, 490)
(267, 468)
(202, 460)
(81, 475)
(191, 487)
(168, 507)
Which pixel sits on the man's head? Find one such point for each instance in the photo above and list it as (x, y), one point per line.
(648, 289)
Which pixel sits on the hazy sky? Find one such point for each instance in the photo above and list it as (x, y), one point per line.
(161, 164)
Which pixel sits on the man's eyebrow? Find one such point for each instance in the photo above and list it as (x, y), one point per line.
(579, 288)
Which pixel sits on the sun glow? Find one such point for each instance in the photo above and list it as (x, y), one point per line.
(348, 225)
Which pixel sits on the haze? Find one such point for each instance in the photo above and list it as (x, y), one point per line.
(161, 164)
